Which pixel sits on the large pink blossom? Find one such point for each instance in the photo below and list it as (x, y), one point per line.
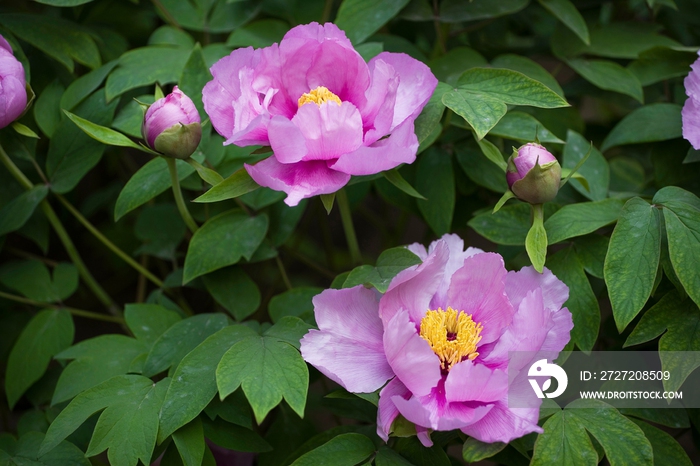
(325, 113)
(441, 336)
(13, 94)
(691, 109)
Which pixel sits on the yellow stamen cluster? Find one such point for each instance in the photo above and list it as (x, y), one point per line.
(319, 96)
(452, 335)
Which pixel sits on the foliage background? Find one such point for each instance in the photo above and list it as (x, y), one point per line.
(94, 306)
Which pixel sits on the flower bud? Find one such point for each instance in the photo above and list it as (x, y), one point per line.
(533, 174)
(13, 92)
(172, 125)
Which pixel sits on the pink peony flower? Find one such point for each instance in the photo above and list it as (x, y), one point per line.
(13, 92)
(441, 337)
(325, 112)
(172, 125)
(691, 109)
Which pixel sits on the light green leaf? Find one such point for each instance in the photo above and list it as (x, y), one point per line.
(524, 128)
(193, 384)
(234, 290)
(206, 174)
(582, 218)
(389, 264)
(457, 11)
(327, 200)
(149, 321)
(595, 169)
(609, 76)
(536, 239)
(148, 182)
(103, 134)
(49, 332)
(289, 329)
(344, 450)
(654, 122)
(177, 341)
(566, 12)
(395, 178)
(32, 279)
(268, 370)
(582, 303)
(682, 218)
(15, 213)
(511, 87)
(295, 302)
(493, 154)
(234, 186)
(261, 33)
(529, 68)
(501, 202)
(222, 241)
(435, 179)
(632, 260)
(127, 426)
(362, 18)
(24, 130)
(480, 111)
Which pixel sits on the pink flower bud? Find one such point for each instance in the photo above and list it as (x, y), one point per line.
(13, 92)
(533, 174)
(172, 125)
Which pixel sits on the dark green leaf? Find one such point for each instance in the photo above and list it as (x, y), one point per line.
(481, 112)
(595, 169)
(295, 302)
(261, 33)
(456, 11)
(661, 63)
(32, 279)
(508, 226)
(632, 260)
(194, 76)
(234, 437)
(85, 85)
(149, 321)
(654, 122)
(397, 180)
(609, 76)
(667, 451)
(218, 16)
(233, 288)
(362, 18)
(582, 218)
(450, 66)
(480, 170)
(47, 110)
(15, 213)
(27, 453)
(189, 440)
(234, 186)
(429, 119)
(344, 450)
(564, 442)
(511, 87)
(591, 251)
(48, 333)
(524, 128)
(435, 180)
(566, 12)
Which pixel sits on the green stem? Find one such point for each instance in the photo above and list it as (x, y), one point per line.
(87, 277)
(179, 200)
(346, 217)
(104, 240)
(75, 312)
(283, 272)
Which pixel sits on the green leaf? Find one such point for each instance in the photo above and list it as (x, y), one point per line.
(295, 302)
(289, 329)
(127, 426)
(32, 279)
(177, 341)
(435, 179)
(657, 319)
(536, 239)
(395, 178)
(234, 437)
(194, 76)
(682, 218)
(49, 332)
(15, 213)
(85, 85)
(564, 442)
(609, 76)
(148, 182)
(595, 169)
(268, 370)
(146, 66)
(660, 63)
(327, 200)
(189, 440)
(389, 264)
(23, 130)
(480, 111)
(508, 226)
(27, 453)
(430, 116)
(71, 152)
(103, 134)
(529, 68)
(474, 450)
(343, 450)
(261, 33)
(232, 187)
(448, 67)
(149, 321)
(632, 260)
(234, 290)
(219, 16)
(62, 40)
(667, 451)
(479, 169)
(524, 128)
(582, 218)
(566, 12)
(388, 457)
(492, 153)
(206, 174)
(591, 251)
(457, 11)
(650, 123)
(47, 111)
(582, 302)
(362, 18)
(161, 229)
(193, 384)
(222, 241)
(501, 202)
(95, 361)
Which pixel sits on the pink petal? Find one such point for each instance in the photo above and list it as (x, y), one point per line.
(455, 261)
(400, 147)
(452, 416)
(468, 381)
(410, 356)
(554, 291)
(378, 112)
(343, 71)
(299, 180)
(319, 33)
(13, 99)
(478, 288)
(218, 103)
(692, 81)
(691, 121)
(416, 86)
(387, 412)
(502, 424)
(5, 44)
(413, 288)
